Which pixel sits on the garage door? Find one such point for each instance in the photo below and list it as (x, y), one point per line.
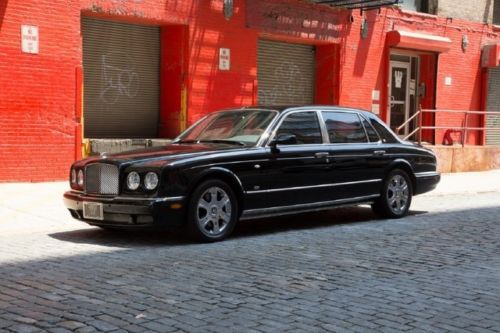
(493, 137)
(285, 73)
(121, 68)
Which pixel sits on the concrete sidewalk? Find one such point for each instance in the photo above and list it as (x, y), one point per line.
(468, 182)
(30, 207)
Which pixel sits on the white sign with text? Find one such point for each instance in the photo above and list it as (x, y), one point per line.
(29, 39)
(224, 59)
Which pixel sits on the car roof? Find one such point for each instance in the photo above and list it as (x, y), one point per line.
(284, 108)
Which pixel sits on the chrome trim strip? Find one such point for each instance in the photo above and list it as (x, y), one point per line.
(297, 158)
(353, 155)
(168, 199)
(82, 196)
(165, 199)
(234, 162)
(322, 125)
(427, 174)
(303, 208)
(313, 186)
(265, 135)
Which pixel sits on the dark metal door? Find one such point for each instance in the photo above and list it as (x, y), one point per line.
(399, 102)
(121, 67)
(285, 73)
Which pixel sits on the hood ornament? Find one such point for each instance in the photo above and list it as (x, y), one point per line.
(103, 155)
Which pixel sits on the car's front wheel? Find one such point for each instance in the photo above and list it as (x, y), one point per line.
(396, 195)
(213, 211)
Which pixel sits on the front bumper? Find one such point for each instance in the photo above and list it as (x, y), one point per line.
(129, 212)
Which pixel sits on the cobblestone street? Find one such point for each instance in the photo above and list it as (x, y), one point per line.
(343, 270)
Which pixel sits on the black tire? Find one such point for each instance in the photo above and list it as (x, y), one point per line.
(212, 211)
(395, 199)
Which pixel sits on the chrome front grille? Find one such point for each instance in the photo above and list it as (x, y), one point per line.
(101, 178)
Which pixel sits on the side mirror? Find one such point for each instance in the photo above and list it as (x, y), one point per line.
(283, 139)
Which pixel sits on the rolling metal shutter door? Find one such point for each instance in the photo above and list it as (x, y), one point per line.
(285, 73)
(121, 68)
(493, 137)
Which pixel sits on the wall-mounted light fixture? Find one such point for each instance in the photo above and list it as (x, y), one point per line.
(465, 42)
(228, 9)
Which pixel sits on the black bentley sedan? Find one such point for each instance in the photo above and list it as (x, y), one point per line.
(254, 162)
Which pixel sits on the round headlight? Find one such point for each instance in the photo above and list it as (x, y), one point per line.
(80, 178)
(133, 181)
(151, 181)
(73, 176)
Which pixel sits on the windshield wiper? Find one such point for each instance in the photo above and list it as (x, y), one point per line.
(231, 142)
(186, 141)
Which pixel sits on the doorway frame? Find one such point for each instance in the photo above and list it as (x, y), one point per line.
(407, 66)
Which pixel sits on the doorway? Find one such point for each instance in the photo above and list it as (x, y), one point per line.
(121, 67)
(403, 95)
(285, 73)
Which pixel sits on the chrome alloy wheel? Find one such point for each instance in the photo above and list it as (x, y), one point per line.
(398, 194)
(213, 211)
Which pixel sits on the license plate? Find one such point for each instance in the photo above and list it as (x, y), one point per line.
(93, 211)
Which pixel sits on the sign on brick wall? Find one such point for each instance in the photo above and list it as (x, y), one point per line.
(224, 59)
(29, 39)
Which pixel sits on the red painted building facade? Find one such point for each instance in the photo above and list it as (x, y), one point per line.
(213, 56)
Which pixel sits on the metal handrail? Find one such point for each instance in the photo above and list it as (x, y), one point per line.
(464, 128)
(416, 114)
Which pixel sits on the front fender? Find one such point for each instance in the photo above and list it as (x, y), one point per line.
(217, 172)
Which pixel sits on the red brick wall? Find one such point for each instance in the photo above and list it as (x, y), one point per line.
(209, 88)
(173, 68)
(37, 91)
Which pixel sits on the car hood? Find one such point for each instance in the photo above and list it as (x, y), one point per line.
(158, 156)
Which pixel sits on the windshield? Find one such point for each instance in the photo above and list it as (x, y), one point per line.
(238, 127)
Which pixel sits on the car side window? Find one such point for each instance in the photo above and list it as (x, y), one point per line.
(304, 125)
(344, 127)
(384, 133)
(372, 134)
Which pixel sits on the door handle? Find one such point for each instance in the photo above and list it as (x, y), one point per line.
(321, 155)
(379, 152)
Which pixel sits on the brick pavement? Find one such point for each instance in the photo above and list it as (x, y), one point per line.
(434, 271)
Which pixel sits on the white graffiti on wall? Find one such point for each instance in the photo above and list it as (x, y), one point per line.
(117, 80)
(289, 74)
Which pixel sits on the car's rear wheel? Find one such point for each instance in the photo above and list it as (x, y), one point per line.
(396, 195)
(213, 211)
